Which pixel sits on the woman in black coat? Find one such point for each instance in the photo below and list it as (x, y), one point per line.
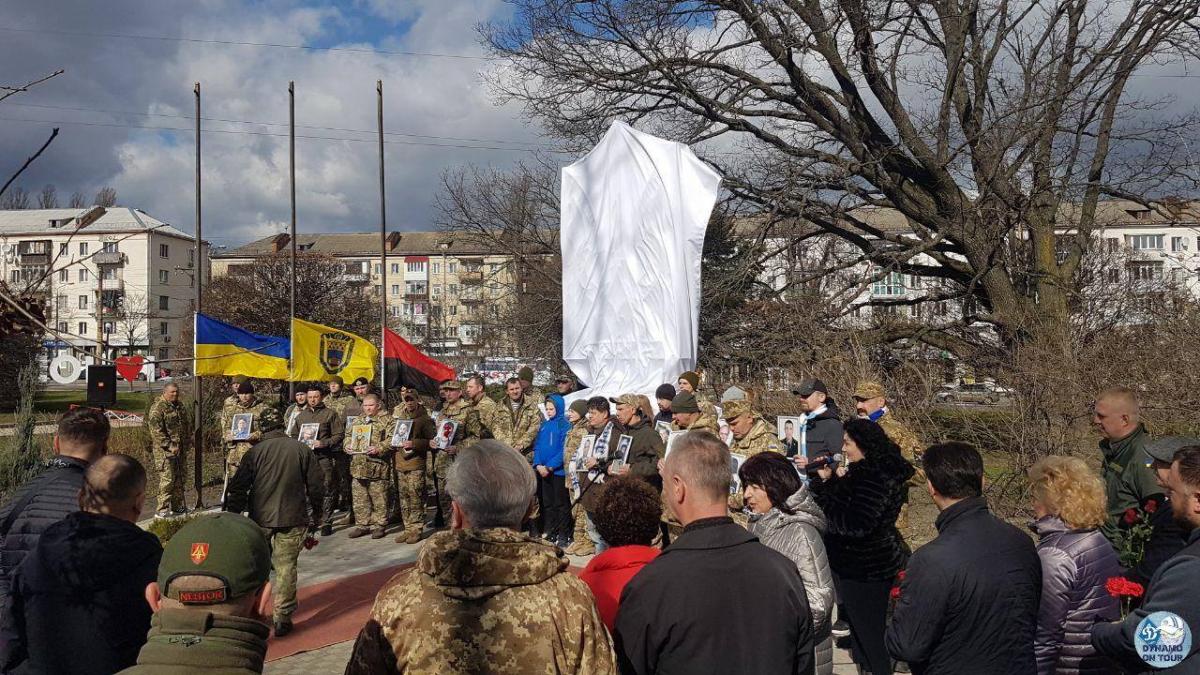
(861, 501)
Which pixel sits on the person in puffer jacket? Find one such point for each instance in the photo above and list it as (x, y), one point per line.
(1077, 560)
(786, 518)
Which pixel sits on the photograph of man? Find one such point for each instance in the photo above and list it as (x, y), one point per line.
(786, 427)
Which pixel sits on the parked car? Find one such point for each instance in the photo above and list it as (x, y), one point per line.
(978, 393)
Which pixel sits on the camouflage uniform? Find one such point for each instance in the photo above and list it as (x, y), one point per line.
(170, 428)
(486, 410)
(410, 466)
(703, 423)
(338, 402)
(468, 422)
(518, 428)
(234, 450)
(372, 475)
(760, 438)
(484, 601)
(582, 545)
(910, 449)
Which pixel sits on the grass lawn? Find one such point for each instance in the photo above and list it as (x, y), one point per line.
(51, 402)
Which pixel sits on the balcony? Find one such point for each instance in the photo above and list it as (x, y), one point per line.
(356, 277)
(471, 299)
(416, 294)
(475, 277)
(115, 258)
(36, 252)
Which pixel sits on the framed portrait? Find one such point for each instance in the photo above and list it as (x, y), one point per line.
(587, 446)
(735, 463)
(402, 432)
(671, 439)
(308, 433)
(239, 428)
(725, 432)
(624, 443)
(360, 439)
(788, 430)
(445, 435)
(663, 429)
(350, 421)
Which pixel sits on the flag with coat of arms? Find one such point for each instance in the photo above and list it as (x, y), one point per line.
(321, 352)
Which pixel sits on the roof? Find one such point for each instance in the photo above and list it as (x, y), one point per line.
(362, 243)
(116, 219)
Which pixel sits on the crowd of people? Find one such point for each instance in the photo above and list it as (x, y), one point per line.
(716, 546)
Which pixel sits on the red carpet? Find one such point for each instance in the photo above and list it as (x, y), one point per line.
(331, 612)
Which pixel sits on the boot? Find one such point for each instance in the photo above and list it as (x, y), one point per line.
(378, 533)
(358, 532)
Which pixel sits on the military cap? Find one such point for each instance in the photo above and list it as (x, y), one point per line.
(735, 408)
(869, 389)
(240, 379)
(360, 380)
(691, 377)
(245, 388)
(1164, 449)
(337, 379)
(525, 373)
(685, 402)
(579, 405)
(451, 384)
(228, 547)
(626, 399)
(734, 393)
(270, 419)
(810, 385)
(563, 378)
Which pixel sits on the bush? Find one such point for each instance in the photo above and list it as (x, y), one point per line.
(21, 454)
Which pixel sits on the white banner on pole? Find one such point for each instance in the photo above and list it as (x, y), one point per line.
(634, 213)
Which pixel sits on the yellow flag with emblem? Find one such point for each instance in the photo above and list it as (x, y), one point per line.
(320, 352)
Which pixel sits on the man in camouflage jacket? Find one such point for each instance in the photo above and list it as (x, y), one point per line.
(486, 409)
(370, 469)
(170, 427)
(870, 400)
(751, 435)
(518, 420)
(247, 403)
(458, 409)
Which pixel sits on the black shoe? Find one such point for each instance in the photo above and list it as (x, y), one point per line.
(282, 628)
(326, 530)
(840, 629)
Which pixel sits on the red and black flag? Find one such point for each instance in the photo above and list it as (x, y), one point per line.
(404, 365)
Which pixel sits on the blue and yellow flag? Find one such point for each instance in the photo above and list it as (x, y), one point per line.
(320, 352)
(222, 349)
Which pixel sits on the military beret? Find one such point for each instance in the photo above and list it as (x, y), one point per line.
(691, 377)
(525, 373)
(685, 402)
(563, 378)
(245, 388)
(228, 547)
(579, 405)
(869, 389)
(735, 408)
(360, 381)
(270, 419)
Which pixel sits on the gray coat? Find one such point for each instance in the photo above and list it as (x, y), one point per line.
(1075, 566)
(798, 536)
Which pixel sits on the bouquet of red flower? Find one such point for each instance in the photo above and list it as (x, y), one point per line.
(310, 542)
(1124, 590)
(895, 593)
(1134, 532)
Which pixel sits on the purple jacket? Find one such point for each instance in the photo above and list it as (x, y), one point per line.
(1075, 566)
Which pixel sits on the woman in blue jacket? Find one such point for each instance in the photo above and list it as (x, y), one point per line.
(548, 464)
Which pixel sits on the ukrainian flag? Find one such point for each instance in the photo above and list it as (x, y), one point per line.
(222, 349)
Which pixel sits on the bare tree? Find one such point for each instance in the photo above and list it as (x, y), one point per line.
(78, 201)
(106, 197)
(48, 199)
(16, 198)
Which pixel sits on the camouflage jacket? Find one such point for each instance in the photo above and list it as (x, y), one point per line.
(256, 407)
(486, 410)
(371, 467)
(910, 445)
(704, 422)
(760, 438)
(517, 428)
(169, 424)
(338, 403)
(468, 421)
(484, 601)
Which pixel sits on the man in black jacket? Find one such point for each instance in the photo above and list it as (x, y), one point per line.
(81, 438)
(1167, 534)
(78, 602)
(969, 602)
(717, 600)
(1171, 607)
(279, 482)
(821, 433)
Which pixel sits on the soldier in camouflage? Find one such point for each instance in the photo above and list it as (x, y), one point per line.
(751, 435)
(576, 415)
(370, 468)
(338, 397)
(486, 409)
(247, 403)
(518, 420)
(689, 381)
(530, 392)
(170, 428)
(293, 410)
(410, 465)
(457, 409)
(232, 399)
(870, 400)
(484, 597)
(687, 415)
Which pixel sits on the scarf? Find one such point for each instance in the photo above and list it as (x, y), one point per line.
(874, 417)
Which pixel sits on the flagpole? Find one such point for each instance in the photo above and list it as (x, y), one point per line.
(292, 231)
(197, 389)
(383, 287)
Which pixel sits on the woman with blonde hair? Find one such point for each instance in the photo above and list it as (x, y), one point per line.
(1077, 560)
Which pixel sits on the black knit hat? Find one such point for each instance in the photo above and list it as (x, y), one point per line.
(665, 391)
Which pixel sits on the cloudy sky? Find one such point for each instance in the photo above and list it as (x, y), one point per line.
(116, 85)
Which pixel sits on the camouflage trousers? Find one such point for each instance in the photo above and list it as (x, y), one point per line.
(335, 474)
(170, 479)
(412, 500)
(234, 455)
(442, 465)
(370, 502)
(580, 517)
(286, 544)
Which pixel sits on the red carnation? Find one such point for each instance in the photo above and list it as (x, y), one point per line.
(895, 593)
(902, 574)
(1120, 587)
(1151, 506)
(1130, 516)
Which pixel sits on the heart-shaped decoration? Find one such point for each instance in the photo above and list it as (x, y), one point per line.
(129, 367)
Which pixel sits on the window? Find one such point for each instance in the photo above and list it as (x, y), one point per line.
(889, 286)
(109, 327)
(452, 331)
(14, 276)
(437, 292)
(108, 273)
(1112, 244)
(415, 288)
(395, 289)
(437, 267)
(83, 302)
(62, 250)
(162, 328)
(452, 289)
(1112, 275)
(419, 308)
(471, 309)
(378, 268)
(62, 327)
(1146, 271)
(1146, 242)
(394, 310)
(64, 275)
(164, 302)
(453, 310)
(164, 276)
(395, 268)
(62, 303)
(83, 274)
(452, 268)
(164, 251)
(1178, 244)
(83, 328)
(83, 248)
(416, 266)
(164, 353)
(110, 247)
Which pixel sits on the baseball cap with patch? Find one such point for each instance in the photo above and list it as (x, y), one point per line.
(626, 399)
(807, 387)
(228, 547)
(1164, 449)
(869, 389)
(735, 408)
(685, 402)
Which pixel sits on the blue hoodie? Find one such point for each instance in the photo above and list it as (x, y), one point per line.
(548, 447)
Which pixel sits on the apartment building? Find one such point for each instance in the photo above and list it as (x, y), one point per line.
(114, 280)
(443, 293)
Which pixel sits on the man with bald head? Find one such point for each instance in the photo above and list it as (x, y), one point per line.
(1125, 466)
(717, 600)
(77, 598)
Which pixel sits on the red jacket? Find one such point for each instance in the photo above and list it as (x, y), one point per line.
(608, 572)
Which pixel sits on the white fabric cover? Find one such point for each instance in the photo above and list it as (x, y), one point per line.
(634, 212)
